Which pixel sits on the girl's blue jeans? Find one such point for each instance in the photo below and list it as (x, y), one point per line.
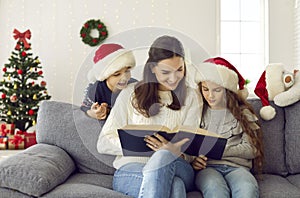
(164, 175)
(226, 181)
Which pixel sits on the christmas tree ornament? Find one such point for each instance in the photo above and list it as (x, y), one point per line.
(33, 122)
(13, 98)
(43, 83)
(21, 73)
(22, 38)
(34, 97)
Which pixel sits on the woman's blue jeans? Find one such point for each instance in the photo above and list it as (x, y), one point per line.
(164, 175)
(226, 181)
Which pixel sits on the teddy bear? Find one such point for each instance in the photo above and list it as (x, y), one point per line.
(278, 85)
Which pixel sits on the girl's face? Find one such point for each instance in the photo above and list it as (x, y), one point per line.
(119, 79)
(214, 94)
(169, 72)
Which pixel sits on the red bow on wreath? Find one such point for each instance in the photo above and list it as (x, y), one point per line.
(22, 38)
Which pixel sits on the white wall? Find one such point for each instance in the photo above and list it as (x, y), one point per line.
(55, 27)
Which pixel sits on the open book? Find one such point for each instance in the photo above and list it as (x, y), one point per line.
(200, 141)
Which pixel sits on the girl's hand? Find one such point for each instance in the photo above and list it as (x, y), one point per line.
(159, 142)
(199, 162)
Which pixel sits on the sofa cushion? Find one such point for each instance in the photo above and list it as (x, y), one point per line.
(275, 186)
(292, 138)
(66, 126)
(273, 140)
(36, 170)
(295, 180)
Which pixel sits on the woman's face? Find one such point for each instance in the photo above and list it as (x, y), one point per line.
(169, 72)
(214, 94)
(119, 79)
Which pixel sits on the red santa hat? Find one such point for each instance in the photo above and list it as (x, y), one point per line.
(222, 72)
(108, 59)
(268, 86)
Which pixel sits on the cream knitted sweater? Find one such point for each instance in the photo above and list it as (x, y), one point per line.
(123, 113)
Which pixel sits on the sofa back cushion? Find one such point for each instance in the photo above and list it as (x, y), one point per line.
(69, 128)
(273, 140)
(292, 138)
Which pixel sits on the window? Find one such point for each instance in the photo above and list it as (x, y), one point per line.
(242, 37)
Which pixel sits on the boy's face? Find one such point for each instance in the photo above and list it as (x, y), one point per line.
(169, 73)
(214, 94)
(119, 79)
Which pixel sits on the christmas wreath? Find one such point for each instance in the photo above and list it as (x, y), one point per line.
(85, 32)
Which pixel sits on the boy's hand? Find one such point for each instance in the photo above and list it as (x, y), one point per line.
(99, 111)
(199, 162)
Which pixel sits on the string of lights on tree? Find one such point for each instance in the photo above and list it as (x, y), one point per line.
(21, 87)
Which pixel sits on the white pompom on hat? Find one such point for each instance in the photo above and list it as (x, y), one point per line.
(222, 72)
(108, 59)
(268, 86)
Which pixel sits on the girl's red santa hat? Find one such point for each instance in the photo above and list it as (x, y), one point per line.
(268, 86)
(108, 59)
(222, 72)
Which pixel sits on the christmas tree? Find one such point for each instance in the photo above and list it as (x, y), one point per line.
(21, 87)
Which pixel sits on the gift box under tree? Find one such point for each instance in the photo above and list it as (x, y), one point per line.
(30, 138)
(3, 143)
(16, 141)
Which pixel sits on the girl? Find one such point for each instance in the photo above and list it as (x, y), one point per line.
(111, 73)
(161, 98)
(227, 113)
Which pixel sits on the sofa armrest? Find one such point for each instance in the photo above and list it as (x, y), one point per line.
(36, 170)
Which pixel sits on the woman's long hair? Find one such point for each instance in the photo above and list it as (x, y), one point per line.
(146, 98)
(236, 104)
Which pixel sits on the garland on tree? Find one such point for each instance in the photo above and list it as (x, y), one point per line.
(21, 90)
(85, 32)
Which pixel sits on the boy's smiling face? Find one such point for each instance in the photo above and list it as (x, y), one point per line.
(119, 79)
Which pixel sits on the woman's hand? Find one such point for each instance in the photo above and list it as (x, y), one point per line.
(159, 142)
(199, 162)
(98, 111)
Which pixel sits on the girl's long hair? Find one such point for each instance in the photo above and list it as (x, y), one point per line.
(236, 104)
(146, 98)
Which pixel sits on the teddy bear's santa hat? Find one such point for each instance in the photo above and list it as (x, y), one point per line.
(268, 86)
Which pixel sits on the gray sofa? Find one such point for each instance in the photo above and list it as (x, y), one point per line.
(65, 162)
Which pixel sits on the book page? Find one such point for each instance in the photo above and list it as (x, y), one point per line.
(197, 131)
(147, 127)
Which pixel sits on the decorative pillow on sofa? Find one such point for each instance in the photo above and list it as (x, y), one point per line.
(36, 170)
(273, 140)
(292, 138)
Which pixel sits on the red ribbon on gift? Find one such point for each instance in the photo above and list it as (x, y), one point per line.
(18, 139)
(3, 140)
(22, 38)
(3, 130)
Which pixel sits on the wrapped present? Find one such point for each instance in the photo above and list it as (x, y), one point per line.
(3, 143)
(16, 141)
(7, 129)
(30, 138)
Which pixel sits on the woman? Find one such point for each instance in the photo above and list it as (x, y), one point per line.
(160, 98)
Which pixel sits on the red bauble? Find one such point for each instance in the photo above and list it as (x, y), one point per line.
(23, 54)
(40, 72)
(43, 83)
(3, 96)
(86, 25)
(4, 69)
(83, 35)
(30, 112)
(20, 71)
(95, 40)
(103, 33)
(100, 26)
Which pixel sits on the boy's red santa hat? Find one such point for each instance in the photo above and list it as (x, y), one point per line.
(222, 72)
(268, 86)
(108, 59)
